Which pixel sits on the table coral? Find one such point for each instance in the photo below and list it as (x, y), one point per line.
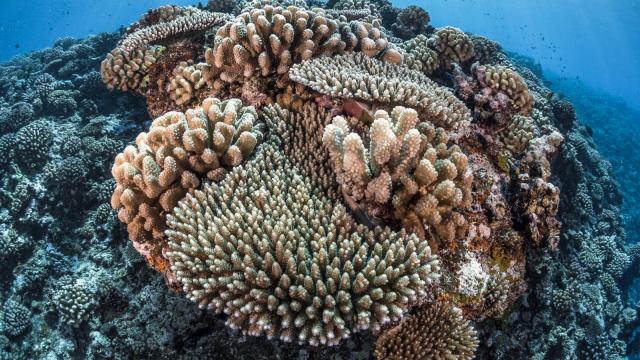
(317, 282)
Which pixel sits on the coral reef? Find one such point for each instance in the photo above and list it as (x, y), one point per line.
(435, 331)
(312, 175)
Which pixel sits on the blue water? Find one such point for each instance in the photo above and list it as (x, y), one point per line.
(595, 41)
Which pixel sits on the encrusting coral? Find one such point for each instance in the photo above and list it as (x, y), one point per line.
(170, 159)
(408, 170)
(360, 77)
(293, 264)
(435, 331)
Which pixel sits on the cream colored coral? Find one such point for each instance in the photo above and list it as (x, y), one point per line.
(269, 40)
(518, 133)
(500, 79)
(270, 250)
(435, 331)
(407, 167)
(452, 46)
(419, 56)
(127, 70)
(185, 81)
(357, 76)
(192, 21)
(178, 151)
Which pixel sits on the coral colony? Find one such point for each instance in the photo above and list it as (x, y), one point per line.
(318, 180)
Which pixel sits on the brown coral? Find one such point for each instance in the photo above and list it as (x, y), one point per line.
(435, 331)
(452, 46)
(268, 248)
(270, 40)
(127, 70)
(360, 77)
(408, 170)
(170, 159)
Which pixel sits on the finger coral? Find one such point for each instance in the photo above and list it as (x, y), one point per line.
(179, 149)
(452, 46)
(360, 77)
(408, 167)
(127, 70)
(293, 264)
(270, 40)
(435, 331)
(185, 82)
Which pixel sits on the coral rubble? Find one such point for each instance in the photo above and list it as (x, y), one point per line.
(334, 180)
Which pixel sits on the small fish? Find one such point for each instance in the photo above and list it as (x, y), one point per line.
(17, 46)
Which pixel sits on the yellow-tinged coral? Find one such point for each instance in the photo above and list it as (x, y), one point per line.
(127, 70)
(360, 77)
(178, 151)
(403, 167)
(435, 331)
(452, 46)
(270, 40)
(268, 248)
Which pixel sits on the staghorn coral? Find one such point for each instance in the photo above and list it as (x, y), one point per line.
(171, 158)
(270, 40)
(127, 70)
(452, 46)
(360, 77)
(294, 264)
(185, 82)
(411, 21)
(193, 20)
(435, 331)
(408, 166)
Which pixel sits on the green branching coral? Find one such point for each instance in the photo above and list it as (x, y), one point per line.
(435, 331)
(269, 40)
(360, 77)
(269, 249)
(407, 167)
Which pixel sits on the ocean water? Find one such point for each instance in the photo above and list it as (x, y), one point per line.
(469, 176)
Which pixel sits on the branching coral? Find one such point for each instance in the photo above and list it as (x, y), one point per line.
(191, 21)
(408, 167)
(497, 91)
(412, 20)
(185, 82)
(435, 331)
(292, 264)
(269, 40)
(73, 300)
(419, 56)
(360, 77)
(32, 143)
(452, 46)
(127, 70)
(517, 134)
(170, 159)
(16, 318)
